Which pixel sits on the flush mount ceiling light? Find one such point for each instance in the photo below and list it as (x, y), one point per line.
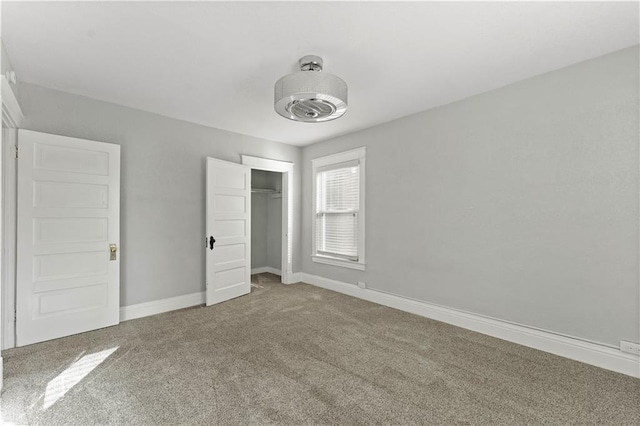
(310, 95)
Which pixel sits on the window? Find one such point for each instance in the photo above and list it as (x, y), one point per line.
(338, 209)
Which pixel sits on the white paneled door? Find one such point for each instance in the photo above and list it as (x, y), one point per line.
(68, 236)
(228, 235)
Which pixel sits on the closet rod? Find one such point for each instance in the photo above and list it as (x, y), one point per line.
(265, 191)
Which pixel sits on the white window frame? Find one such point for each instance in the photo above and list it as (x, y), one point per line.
(321, 164)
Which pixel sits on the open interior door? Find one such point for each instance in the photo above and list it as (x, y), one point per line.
(68, 234)
(228, 234)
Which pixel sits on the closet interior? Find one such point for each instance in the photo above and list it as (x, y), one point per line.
(266, 222)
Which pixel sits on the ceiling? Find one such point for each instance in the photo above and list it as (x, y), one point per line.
(215, 63)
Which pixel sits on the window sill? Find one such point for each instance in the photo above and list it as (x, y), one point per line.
(338, 262)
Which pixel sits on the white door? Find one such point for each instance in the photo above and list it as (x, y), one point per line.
(68, 236)
(228, 238)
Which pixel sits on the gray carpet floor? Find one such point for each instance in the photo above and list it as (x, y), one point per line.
(303, 355)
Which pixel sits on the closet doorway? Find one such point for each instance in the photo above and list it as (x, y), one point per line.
(266, 222)
(271, 214)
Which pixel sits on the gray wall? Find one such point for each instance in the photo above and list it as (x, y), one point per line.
(519, 204)
(163, 184)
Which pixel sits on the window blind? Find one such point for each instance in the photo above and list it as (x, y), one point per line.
(337, 209)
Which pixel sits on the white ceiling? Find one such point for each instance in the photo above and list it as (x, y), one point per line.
(216, 63)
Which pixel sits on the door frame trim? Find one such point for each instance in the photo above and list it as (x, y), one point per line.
(286, 168)
(12, 118)
(9, 241)
(12, 115)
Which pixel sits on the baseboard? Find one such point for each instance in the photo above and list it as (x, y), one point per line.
(266, 269)
(159, 306)
(295, 277)
(568, 347)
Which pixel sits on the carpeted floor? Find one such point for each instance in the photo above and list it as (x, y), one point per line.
(302, 355)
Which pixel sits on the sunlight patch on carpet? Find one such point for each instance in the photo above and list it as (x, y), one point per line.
(70, 377)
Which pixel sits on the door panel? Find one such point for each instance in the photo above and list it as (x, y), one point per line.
(55, 266)
(63, 159)
(63, 302)
(230, 253)
(229, 223)
(64, 230)
(70, 195)
(229, 203)
(227, 229)
(68, 215)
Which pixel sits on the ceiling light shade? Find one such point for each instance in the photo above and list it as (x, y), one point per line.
(310, 95)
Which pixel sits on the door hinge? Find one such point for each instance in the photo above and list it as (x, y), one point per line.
(15, 316)
(16, 151)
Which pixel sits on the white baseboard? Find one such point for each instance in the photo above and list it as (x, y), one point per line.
(568, 347)
(159, 306)
(295, 277)
(266, 269)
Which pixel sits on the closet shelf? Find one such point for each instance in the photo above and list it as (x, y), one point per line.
(265, 191)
